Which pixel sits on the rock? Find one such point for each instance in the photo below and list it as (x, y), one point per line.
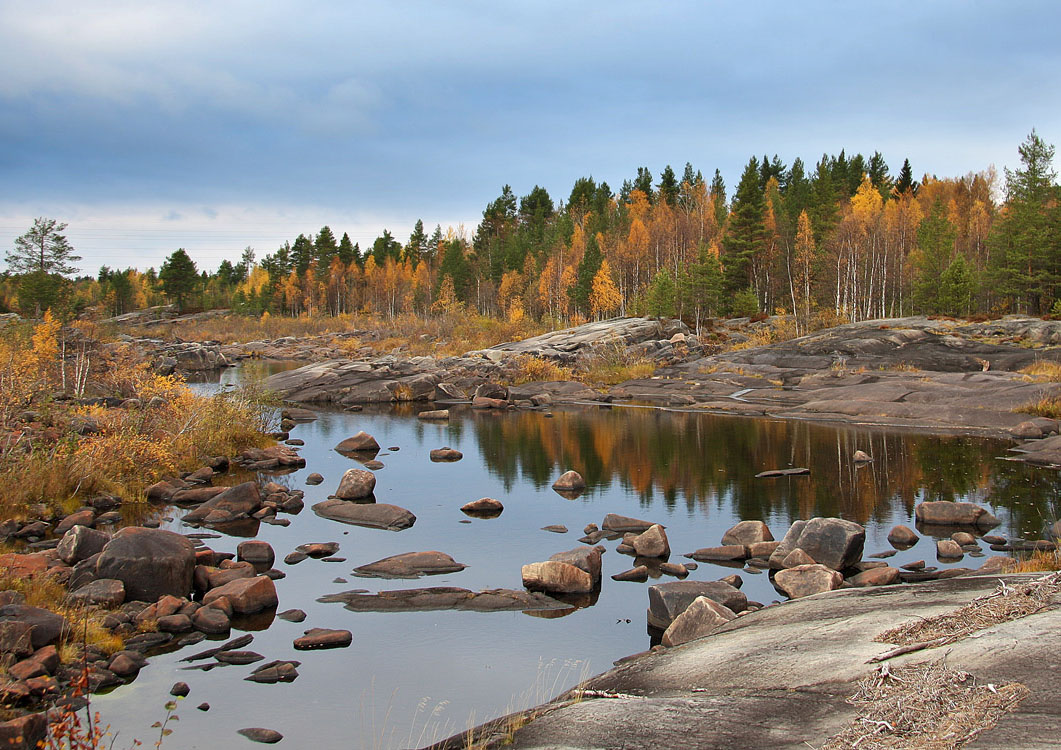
(356, 484)
(485, 507)
(211, 620)
(256, 552)
(410, 565)
(150, 562)
(177, 623)
(314, 479)
(445, 597)
(861, 457)
(24, 732)
(797, 557)
(80, 543)
(372, 515)
(963, 538)
(318, 549)
(876, 577)
(435, 415)
(125, 664)
(16, 638)
(491, 390)
(556, 577)
(998, 564)
(832, 542)
(638, 575)
(180, 690)
(292, 615)
(587, 559)
(319, 638)
(239, 501)
(747, 533)
(948, 549)
(85, 517)
(570, 481)
(362, 442)
(902, 536)
(775, 473)
(674, 569)
(108, 593)
(373, 464)
(274, 672)
(259, 734)
(700, 618)
(762, 549)
(238, 657)
(668, 600)
(1026, 431)
(652, 542)
(945, 513)
(446, 454)
(556, 528)
(617, 524)
(733, 580)
(727, 552)
(247, 595)
(807, 580)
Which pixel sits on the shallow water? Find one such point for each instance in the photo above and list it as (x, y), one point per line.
(412, 678)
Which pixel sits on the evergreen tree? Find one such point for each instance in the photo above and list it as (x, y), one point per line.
(668, 186)
(302, 252)
(414, 249)
(579, 292)
(746, 231)
(454, 266)
(956, 287)
(325, 247)
(643, 182)
(44, 249)
(385, 246)
(347, 251)
(935, 239)
(905, 182)
(433, 245)
(179, 277)
(662, 296)
(703, 290)
(877, 169)
(718, 192)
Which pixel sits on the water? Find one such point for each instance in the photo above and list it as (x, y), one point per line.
(412, 678)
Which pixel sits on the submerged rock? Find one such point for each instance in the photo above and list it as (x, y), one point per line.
(444, 597)
(372, 515)
(410, 565)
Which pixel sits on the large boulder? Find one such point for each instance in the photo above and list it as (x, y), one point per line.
(946, 513)
(832, 542)
(805, 580)
(748, 533)
(584, 558)
(150, 562)
(108, 593)
(700, 618)
(668, 600)
(372, 515)
(247, 595)
(81, 543)
(356, 484)
(235, 502)
(554, 576)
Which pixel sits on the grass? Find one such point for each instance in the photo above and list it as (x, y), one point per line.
(1039, 562)
(1047, 406)
(1043, 371)
(525, 368)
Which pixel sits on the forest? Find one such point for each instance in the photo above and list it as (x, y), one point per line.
(842, 240)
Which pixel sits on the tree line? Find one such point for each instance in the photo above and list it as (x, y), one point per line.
(843, 240)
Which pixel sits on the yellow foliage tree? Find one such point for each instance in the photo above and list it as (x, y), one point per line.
(604, 297)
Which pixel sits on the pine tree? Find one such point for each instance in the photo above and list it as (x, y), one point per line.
(662, 296)
(348, 252)
(668, 186)
(325, 248)
(414, 249)
(745, 234)
(905, 182)
(718, 195)
(935, 239)
(179, 277)
(43, 249)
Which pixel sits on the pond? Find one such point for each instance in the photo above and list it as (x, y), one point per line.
(411, 678)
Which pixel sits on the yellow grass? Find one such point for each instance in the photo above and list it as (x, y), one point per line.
(1043, 370)
(1040, 561)
(1047, 406)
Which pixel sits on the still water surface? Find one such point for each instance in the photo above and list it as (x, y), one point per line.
(410, 678)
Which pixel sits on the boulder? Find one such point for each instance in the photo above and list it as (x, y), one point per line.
(316, 638)
(832, 542)
(445, 454)
(314, 479)
(356, 484)
(372, 515)
(748, 533)
(652, 542)
(584, 558)
(434, 415)
(902, 536)
(484, 507)
(876, 577)
(80, 543)
(211, 620)
(797, 557)
(963, 538)
(318, 549)
(24, 732)
(150, 562)
(700, 618)
(948, 549)
(235, 502)
(108, 593)
(48, 627)
(362, 442)
(247, 595)
(806, 580)
(637, 575)
(553, 576)
(492, 390)
(570, 481)
(668, 600)
(256, 552)
(85, 517)
(946, 513)
(410, 565)
(617, 524)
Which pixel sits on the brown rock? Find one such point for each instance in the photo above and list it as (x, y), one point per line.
(485, 506)
(700, 618)
(570, 481)
(806, 580)
(652, 542)
(446, 454)
(317, 638)
(902, 536)
(356, 484)
(727, 552)
(235, 502)
(945, 513)
(948, 549)
(256, 552)
(85, 517)
(963, 538)
(637, 575)
(747, 533)
(362, 442)
(557, 577)
(247, 595)
(614, 523)
(797, 557)
(876, 577)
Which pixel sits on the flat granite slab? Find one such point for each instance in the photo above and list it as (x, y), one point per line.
(779, 677)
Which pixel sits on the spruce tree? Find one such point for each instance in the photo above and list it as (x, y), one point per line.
(745, 235)
(179, 277)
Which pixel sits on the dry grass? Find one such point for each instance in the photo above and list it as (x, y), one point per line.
(1043, 370)
(525, 368)
(1006, 603)
(611, 365)
(1047, 406)
(925, 706)
(1041, 561)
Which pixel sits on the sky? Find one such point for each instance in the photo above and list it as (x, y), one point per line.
(213, 126)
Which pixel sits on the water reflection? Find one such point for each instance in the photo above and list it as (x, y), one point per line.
(705, 462)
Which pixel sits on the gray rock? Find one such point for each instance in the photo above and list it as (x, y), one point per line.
(832, 542)
(356, 484)
(108, 593)
(362, 442)
(807, 580)
(570, 481)
(149, 562)
(668, 600)
(747, 533)
(236, 502)
(702, 617)
(652, 542)
(902, 536)
(945, 513)
(616, 524)
(410, 565)
(260, 734)
(80, 543)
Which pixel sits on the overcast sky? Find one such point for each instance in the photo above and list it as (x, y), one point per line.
(215, 125)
